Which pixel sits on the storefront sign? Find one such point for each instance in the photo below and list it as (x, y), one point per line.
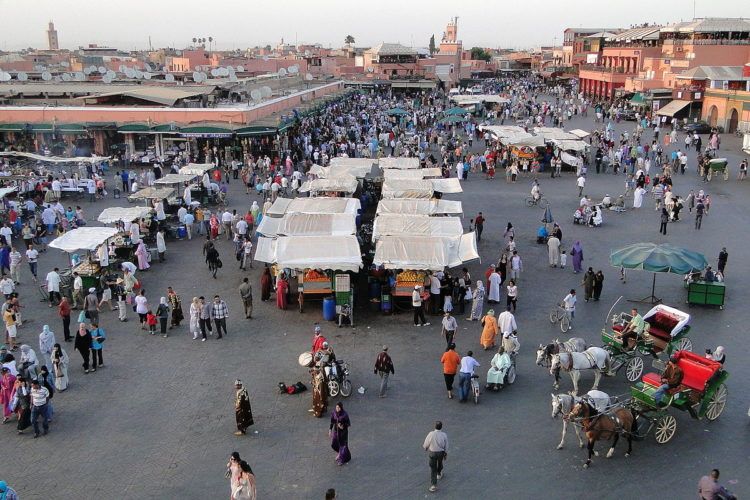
(209, 136)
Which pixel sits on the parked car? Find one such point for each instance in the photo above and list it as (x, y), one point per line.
(700, 127)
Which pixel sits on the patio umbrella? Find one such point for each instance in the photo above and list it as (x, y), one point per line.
(455, 111)
(397, 112)
(548, 219)
(453, 119)
(664, 258)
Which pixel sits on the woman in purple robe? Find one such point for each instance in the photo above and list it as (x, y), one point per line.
(142, 255)
(577, 254)
(339, 431)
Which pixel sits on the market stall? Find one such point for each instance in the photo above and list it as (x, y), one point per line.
(416, 225)
(357, 167)
(399, 163)
(196, 168)
(175, 179)
(308, 225)
(154, 193)
(421, 173)
(93, 240)
(419, 207)
(407, 188)
(340, 185)
(321, 205)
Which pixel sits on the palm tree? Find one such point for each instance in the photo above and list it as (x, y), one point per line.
(349, 40)
(195, 40)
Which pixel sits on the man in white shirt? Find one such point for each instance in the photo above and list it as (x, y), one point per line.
(39, 398)
(77, 291)
(506, 323)
(435, 306)
(53, 286)
(581, 183)
(436, 445)
(569, 302)
(32, 255)
(7, 233)
(449, 328)
(226, 220)
(468, 363)
(189, 221)
(241, 228)
(15, 265)
(247, 252)
(57, 188)
(187, 196)
(416, 302)
(181, 214)
(516, 266)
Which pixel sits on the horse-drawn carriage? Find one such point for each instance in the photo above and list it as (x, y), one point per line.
(666, 330)
(702, 393)
(718, 166)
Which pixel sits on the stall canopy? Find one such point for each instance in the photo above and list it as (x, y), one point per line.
(6, 191)
(407, 188)
(420, 207)
(335, 253)
(424, 252)
(451, 185)
(83, 238)
(673, 108)
(503, 130)
(568, 145)
(55, 159)
(569, 159)
(358, 167)
(115, 214)
(340, 184)
(421, 173)
(308, 225)
(314, 206)
(424, 225)
(175, 178)
(400, 163)
(579, 133)
(551, 133)
(152, 193)
(196, 168)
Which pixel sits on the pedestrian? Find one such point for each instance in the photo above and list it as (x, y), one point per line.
(339, 431)
(477, 303)
(243, 412)
(142, 254)
(588, 284)
(151, 321)
(266, 284)
(91, 306)
(162, 312)
(22, 395)
(60, 363)
(581, 183)
(195, 313)
(11, 330)
(451, 362)
(141, 307)
(449, 328)
(489, 330)
(219, 313)
(244, 488)
(28, 364)
(246, 294)
(563, 259)
(479, 225)
(175, 307)
(204, 320)
(39, 407)
(7, 383)
(466, 371)
(161, 245)
(511, 295)
(98, 336)
(576, 254)
(319, 392)
(233, 470)
(598, 284)
(494, 281)
(699, 209)
(53, 286)
(436, 446)
(247, 253)
(15, 265)
(664, 219)
(569, 304)
(416, 303)
(213, 260)
(32, 254)
(722, 260)
(83, 345)
(553, 250)
(46, 345)
(6, 492)
(516, 265)
(282, 289)
(710, 489)
(384, 368)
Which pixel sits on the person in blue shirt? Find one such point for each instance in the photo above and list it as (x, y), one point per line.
(125, 181)
(97, 338)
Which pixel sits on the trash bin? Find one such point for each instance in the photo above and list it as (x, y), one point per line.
(385, 303)
(329, 308)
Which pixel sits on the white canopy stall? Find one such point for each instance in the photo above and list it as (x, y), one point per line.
(314, 206)
(401, 224)
(335, 253)
(407, 188)
(308, 225)
(425, 252)
(83, 238)
(175, 178)
(125, 214)
(420, 207)
(340, 184)
(55, 159)
(570, 145)
(421, 173)
(450, 185)
(6, 191)
(400, 163)
(196, 168)
(358, 167)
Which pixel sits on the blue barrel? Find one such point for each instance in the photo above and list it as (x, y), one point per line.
(385, 303)
(182, 232)
(329, 308)
(374, 290)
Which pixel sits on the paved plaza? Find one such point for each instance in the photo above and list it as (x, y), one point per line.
(158, 420)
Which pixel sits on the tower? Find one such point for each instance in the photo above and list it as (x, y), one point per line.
(52, 37)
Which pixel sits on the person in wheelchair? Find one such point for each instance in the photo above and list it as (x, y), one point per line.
(499, 367)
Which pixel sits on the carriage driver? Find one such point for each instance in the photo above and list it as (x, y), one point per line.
(632, 330)
(671, 378)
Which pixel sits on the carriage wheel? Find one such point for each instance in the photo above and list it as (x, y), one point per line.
(564, 323)
(666, 427)
(333, 388)
(717, 403)
(684, 345)
(726, 173)
(346, 388)
(634, 369)
(511, 376)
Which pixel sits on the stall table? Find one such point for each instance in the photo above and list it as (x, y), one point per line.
(710, 293)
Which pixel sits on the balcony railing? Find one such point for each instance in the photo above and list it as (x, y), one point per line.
(717, 41)
(603, 69)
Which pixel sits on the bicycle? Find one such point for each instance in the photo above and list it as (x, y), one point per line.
(475, 388)
(560, 315)
(540, 202)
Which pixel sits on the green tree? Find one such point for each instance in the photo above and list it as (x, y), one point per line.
(433, 49)
(349, 40)
(478, 53)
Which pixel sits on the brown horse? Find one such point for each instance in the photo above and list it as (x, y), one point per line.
(604, 426)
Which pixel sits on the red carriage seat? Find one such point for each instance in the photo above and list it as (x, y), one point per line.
(696, 371)
(661, 325)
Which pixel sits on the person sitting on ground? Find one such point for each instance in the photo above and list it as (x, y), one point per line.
(542, 234)
(607, 201)
(632, 330)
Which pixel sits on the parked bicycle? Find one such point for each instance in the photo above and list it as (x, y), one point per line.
(560, 315)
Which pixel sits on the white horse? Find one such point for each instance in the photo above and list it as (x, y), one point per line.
(562, 404)
(544, 352)
(593, 358)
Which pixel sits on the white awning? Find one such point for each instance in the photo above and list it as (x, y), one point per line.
(196, 168)
(571, 160)
(420, 207)
(6, 191)
(150, 193)
(344, 184)
(314, 206)
(579, 133)
(358, 167)
(416, 225)
(503, 130)
(450, 185)
(175, 178)
(55, 159)
(400, 163)
(308, 225)
(532, 141)
(673, 108)
(407, 188)
(83, 238)
(424, 252)
(567, 145)
(420, 173)
(114, 214)
(550, 133)
(335, 253)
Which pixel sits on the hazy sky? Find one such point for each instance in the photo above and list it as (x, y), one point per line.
(127, 24)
